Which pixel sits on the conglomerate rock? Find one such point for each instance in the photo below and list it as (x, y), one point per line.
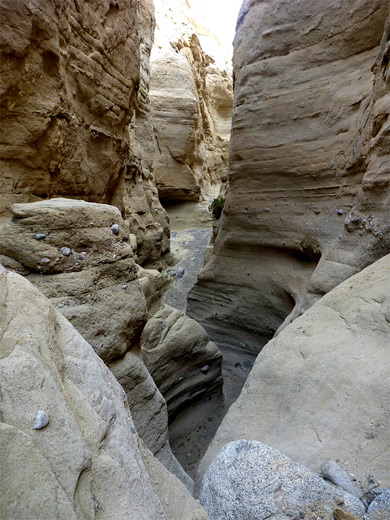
(309, 162)
(71, 76)
(86, 462)
(78, 254)
(320, 390)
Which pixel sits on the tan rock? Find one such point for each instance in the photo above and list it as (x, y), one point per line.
(85, 463)
(149, 411)
(320, 389)
(340, 514)
(182, 360)
(177, 503)
(70, 78)
(95, 285)
(191, 103)
(309, 162)
(84, 267)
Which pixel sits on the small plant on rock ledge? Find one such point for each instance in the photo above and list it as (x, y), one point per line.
(216, 207)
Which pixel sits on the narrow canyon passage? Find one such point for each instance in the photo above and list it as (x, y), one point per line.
(157, 363)
(191, 432)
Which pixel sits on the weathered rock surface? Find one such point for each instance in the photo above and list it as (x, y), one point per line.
(99, 288)
(177, 503)
(149, 411)
(321, 389)
(331, 471)
(248, 479)
(175, 349)
(379, 509)
(70, 85)
(95, 286)
(309, 162)
(86, 462)
(191, 105)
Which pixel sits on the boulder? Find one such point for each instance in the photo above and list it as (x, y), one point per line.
(175, 349)
(96, 284)
(248, 479)
(379, 509)
(86, 461)
(321, 389)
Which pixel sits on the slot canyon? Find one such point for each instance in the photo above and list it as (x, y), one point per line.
(195, 260)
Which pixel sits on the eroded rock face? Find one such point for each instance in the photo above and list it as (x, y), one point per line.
(182, 360)
(191, 105)
(70, 76)
(149, 412)
(78, 254)
(320, 390)
(248, 479)
(86, 461)
(309, 162)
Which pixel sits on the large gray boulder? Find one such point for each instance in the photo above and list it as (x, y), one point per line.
(68, 446)
(250, 481)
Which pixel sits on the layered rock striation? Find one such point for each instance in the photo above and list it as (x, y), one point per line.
(191, 100)
(71, 79)
(309, 163)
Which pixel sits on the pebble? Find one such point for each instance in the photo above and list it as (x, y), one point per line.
(45, 260)
(65, 251)
(40, 236)
(180, 271)
(124, 286)
(205, 369)
(115, 229)
(340, 212)
(41, 420)
(80, 257)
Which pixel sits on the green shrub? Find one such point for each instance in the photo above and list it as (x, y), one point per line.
(216, 207)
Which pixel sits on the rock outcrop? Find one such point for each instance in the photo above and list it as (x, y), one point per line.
(250, 480)
(191, 105)
(71, 80)
(309, 162)
(79, 255)
(84, 460)
(182, 360)
(320, 390)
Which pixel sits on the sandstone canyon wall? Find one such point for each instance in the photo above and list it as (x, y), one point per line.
(73, 75)
(320, 390)
(309, 162)
(191, 99)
